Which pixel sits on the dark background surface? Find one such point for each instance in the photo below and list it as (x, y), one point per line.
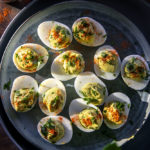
(138, 11)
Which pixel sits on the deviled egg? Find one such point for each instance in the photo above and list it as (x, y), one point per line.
(90, 88)
(52, 96)
(107, 63)
(116, 110)
(55, 129)
(67, 65)
(24, 93)
(55, 34)
(86, 117)
(88, 32)
(30, 57)
(134, 71)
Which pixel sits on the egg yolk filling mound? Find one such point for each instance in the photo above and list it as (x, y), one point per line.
(24, 99)
(53, 99)
(53, 130)
(90, 118)
(28, 59)
(108, 61)
(73, 63)
(114, 112)
(135, 69)
(93, 93)
(84, 31)
(59, 37)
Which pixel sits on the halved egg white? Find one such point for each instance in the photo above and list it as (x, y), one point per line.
(100, 33)
(67, 126)
(121, 97)
(23, 82)
(75, 107)
(57, 70)
(99, 72)
(136, 85)
(46, 85)
(44, 30)
(40, 50)
(87, 77)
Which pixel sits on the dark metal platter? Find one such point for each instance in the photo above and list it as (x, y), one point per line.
(131, 40)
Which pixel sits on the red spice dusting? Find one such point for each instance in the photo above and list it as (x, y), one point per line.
(125, 44)
(29, 39)
(87, 121)
(3, 13)
(60, 118)
(52, 131)
(74, 118)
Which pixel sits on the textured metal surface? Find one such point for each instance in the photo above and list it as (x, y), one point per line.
(122, 35)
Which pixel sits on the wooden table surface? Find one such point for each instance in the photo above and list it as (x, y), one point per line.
(7, 13)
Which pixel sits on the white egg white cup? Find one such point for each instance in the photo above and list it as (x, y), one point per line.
(99, 39)
(57, 69)
(44, 30)
(121, 97)
(101, 73)
(78, 105)
(23, 82)
(66, 124)
(136, 85)
(46, 85)
(88, 77)
(40, 50)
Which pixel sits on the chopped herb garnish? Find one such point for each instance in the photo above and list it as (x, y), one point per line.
(16, 55)
(83, 93)
(111, 62)
(84, 23)
(18, 93)
(120, 106)
(58, 28)
(40, 59)
(44, 131)
(90, 100)
(104, 36)
(104, 55)
(50, 124)
(104, 111)
(130, 67)
(65, 56)
(128, 105)
(55, 101)
(94, 92)
(111, 146)
(7, 85)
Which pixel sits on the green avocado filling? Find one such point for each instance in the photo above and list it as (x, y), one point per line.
(53, 99)
(73, 63)
(24, 99)
(93, 93)
(53, 130)
(108, 61)
(59, 37)
(83, 31)
(90, 118)
(135, 69)
(28, 59)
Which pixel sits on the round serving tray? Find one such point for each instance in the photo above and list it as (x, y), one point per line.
(121, 34)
